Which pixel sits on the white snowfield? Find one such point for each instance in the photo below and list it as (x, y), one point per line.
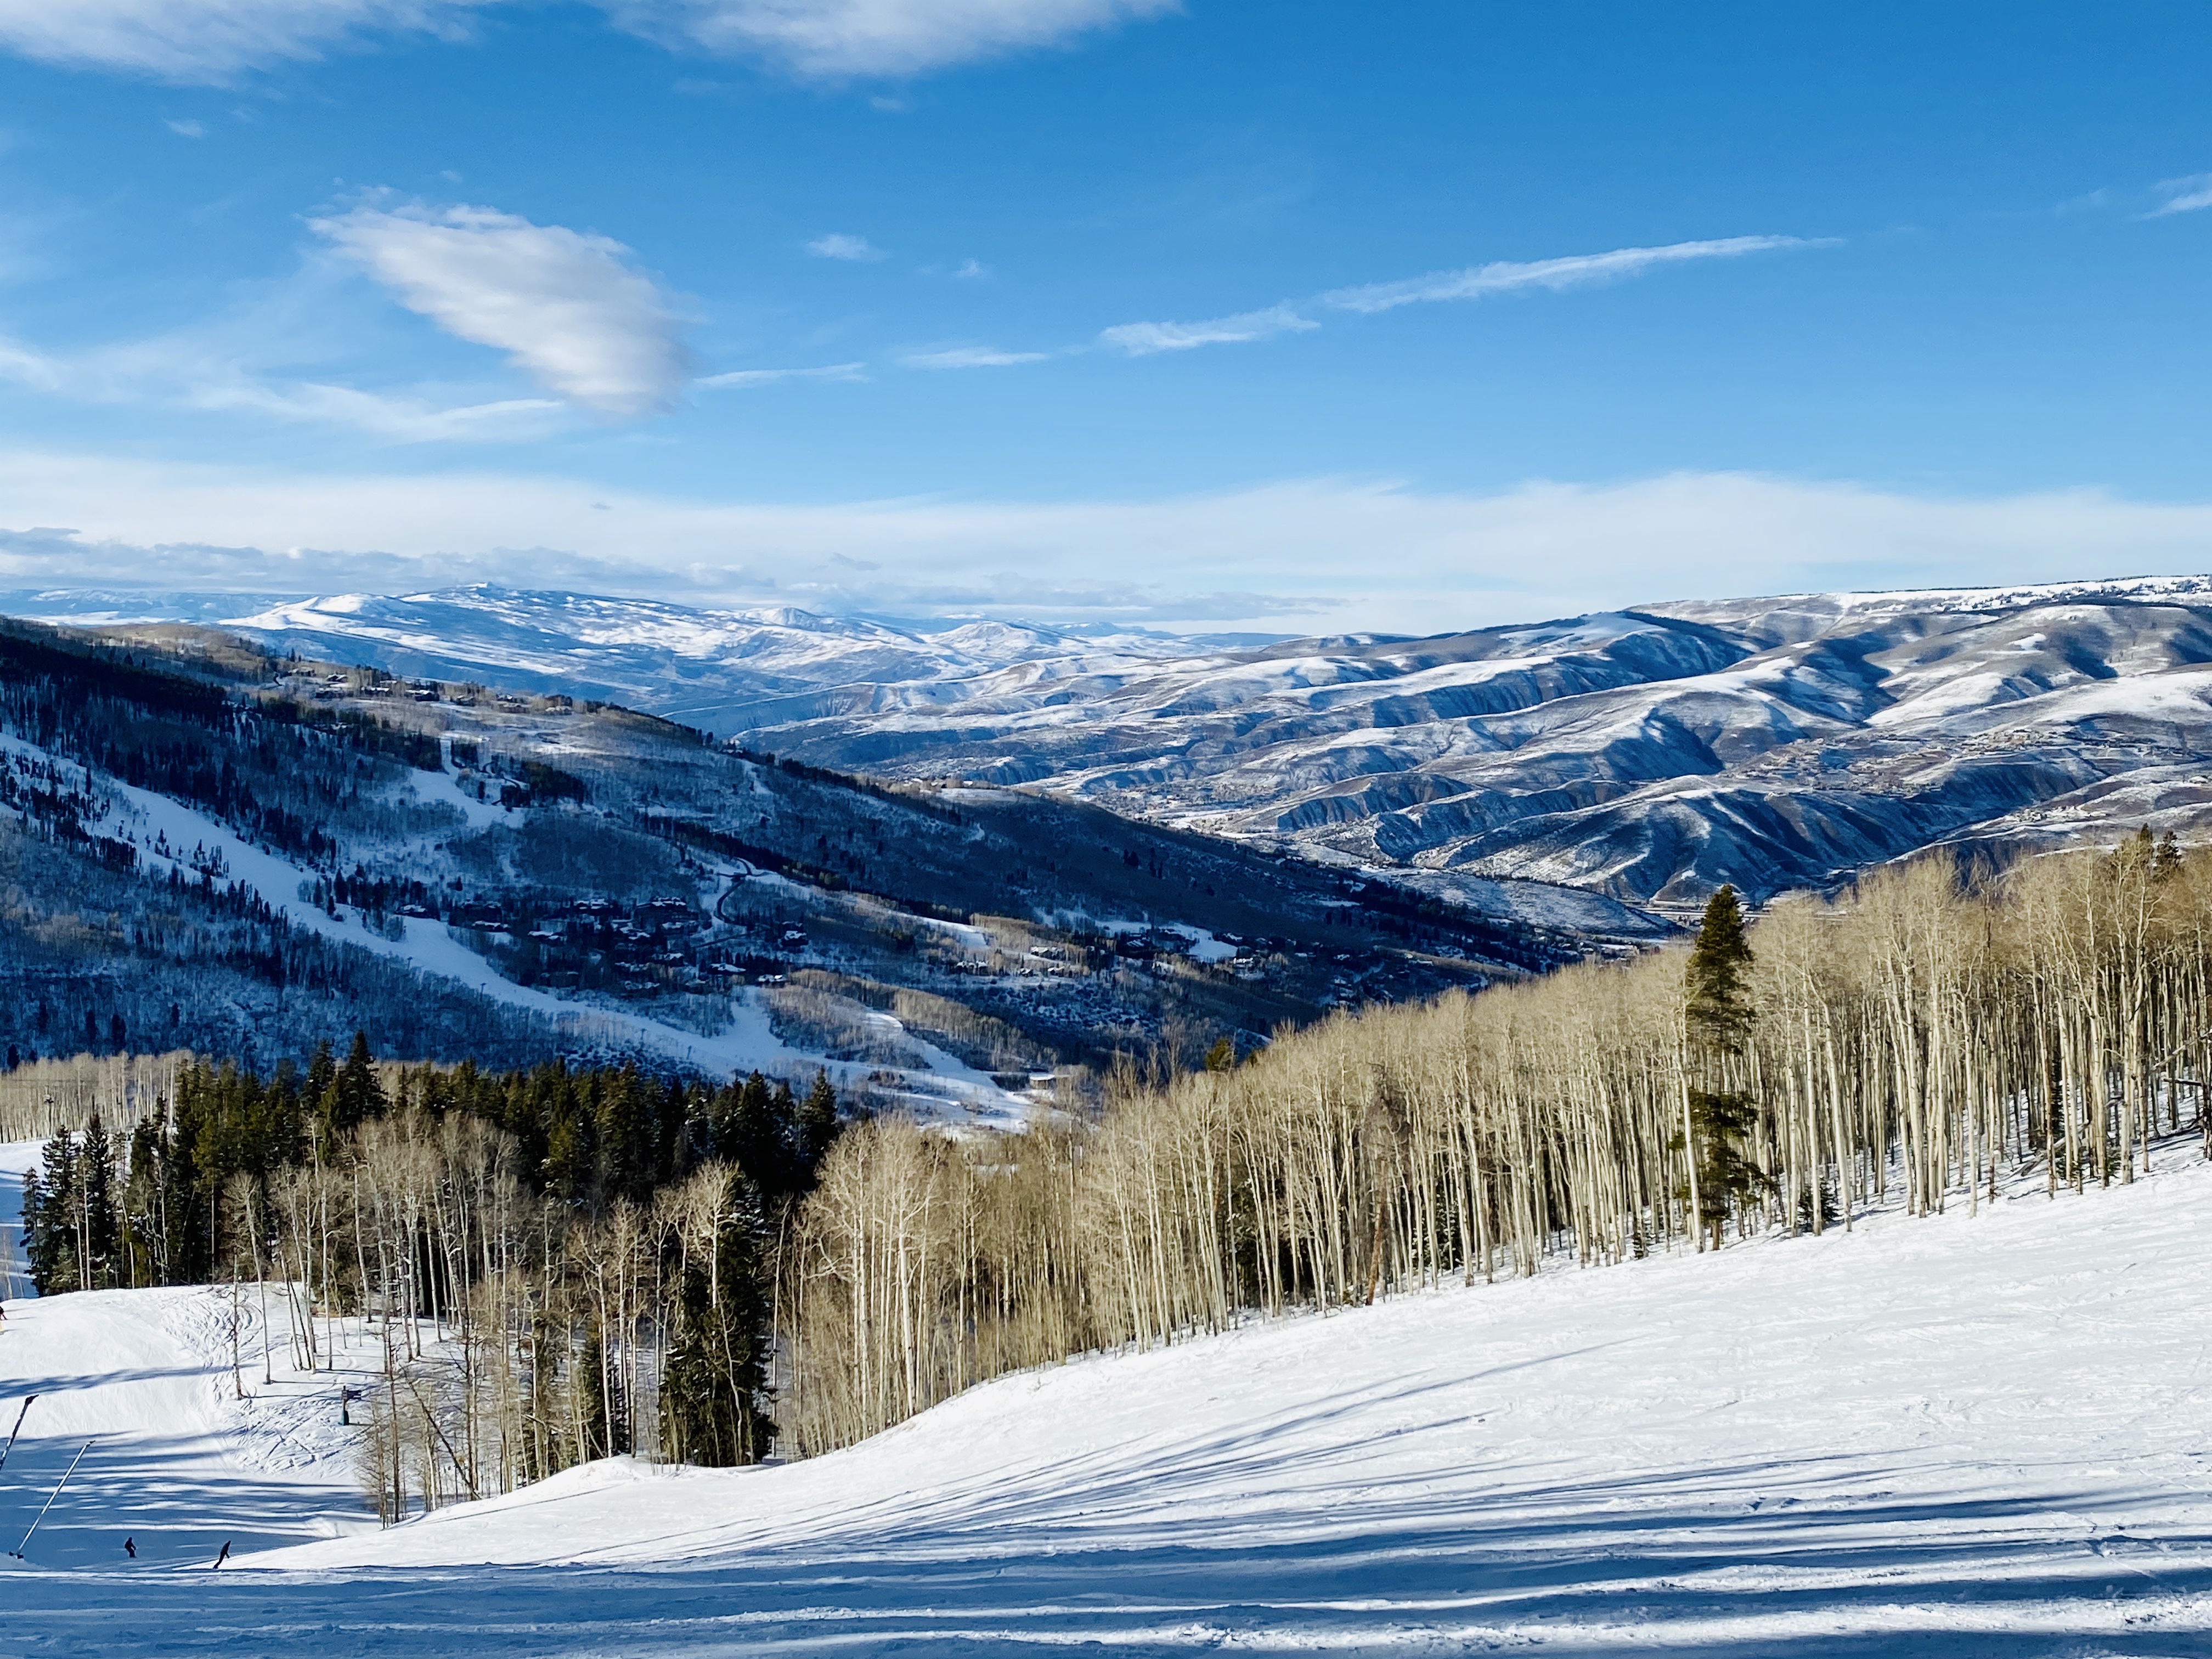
(1956, 1435)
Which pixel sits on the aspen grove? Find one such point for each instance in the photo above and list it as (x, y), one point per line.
(1915, 1043)
(543, 1268)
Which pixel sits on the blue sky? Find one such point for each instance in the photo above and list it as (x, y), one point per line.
(1295, 315)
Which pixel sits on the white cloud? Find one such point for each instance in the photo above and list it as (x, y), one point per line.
(768, 376)
(837, 38)
(399, 419)
(972, 271)
(1575, 270)
(568, 307)
(838, 246)
(202, 369)
(1144, 339)
(211, 41)
(186, 129)
(2186, 195)
(215, 41)
(1299, 554)
(971, 357)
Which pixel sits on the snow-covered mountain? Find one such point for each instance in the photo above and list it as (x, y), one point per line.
(712, 669)
(1648, 753)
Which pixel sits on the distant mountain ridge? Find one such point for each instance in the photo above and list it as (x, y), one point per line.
(1648, 753)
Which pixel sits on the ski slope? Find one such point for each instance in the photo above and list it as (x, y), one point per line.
(1962, 1435)
(948, 1087)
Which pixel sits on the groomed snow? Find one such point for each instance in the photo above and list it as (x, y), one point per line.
(1953, 1435)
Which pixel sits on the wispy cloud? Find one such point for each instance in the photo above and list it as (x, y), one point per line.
(740, 377)
(841, 37)
(568, 307)
(193, 371)
(405, 420)
(971, 357)
(1477, 282)
(1574, 271)
(838, 246)
(2185, 194)
(1299, 547)
(186, 129)
(211, 42)
(1144, 339)
(972, 271)
(216, 42)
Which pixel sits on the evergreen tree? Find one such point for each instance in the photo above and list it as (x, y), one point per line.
(50, 1206)
(356, 1095)
(143, 1222)
(96, 1227)
(568, 1156)
(714, 1387)
(626, 1137)
(817, 1122)
(603, 1414)
(754, 1130)
(1717, 1018)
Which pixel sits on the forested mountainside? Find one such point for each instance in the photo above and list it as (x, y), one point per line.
(1648, 753)
(210, 847)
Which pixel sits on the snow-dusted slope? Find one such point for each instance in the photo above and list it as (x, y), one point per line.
(708, 668)
(176, 1462)
(1967, 1434)
(1647, 754)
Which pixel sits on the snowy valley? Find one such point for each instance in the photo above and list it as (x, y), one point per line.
(1646, 754)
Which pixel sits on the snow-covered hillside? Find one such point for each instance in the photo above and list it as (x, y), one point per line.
(1648, 754)
(713, 669)
(1645, 755)
(1964, 1435)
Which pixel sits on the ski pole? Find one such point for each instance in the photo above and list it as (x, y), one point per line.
(18, 1429)
(18, 1551)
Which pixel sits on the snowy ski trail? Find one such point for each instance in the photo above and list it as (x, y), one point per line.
(748, 1043)
(1952, 1435)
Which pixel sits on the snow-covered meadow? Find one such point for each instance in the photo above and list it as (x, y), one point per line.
(1959, 1435)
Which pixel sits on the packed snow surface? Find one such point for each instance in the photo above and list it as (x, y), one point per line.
(1962, 1435)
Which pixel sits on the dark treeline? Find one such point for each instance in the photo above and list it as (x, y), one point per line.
(274, 769)
(543, 1266)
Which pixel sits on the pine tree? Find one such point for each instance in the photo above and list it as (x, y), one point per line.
(50, 1205)
(1718, 1019)
(817, 1122)
(96, 1227)
(625, 1137)
(602, 1410)
(356, 1095)
(751, 1133)
(714, 1387)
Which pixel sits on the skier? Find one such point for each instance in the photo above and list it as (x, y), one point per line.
(225, 1556)
(131, 1548)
